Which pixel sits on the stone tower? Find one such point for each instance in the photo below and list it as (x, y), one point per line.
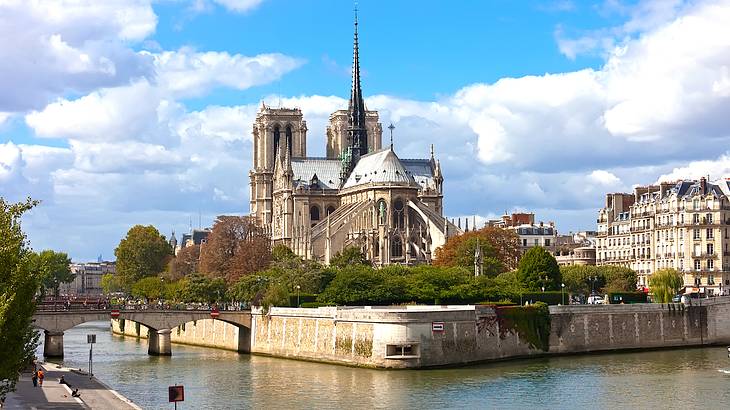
(274, 129)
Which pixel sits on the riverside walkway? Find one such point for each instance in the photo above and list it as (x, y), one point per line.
(53, 395)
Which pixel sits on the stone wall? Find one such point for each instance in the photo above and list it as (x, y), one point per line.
(407, 338)
(205, 332)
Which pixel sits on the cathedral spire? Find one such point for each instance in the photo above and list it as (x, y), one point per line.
(356, 110)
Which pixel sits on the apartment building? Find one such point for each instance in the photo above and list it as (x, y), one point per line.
(530, 234)
(681, 225)
(87, 281)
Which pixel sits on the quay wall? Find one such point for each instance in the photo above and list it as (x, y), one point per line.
(407, 338)
(204, 332)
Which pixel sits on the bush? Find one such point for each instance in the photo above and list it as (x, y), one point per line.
(551, 297)
(303, 298)
(626, 297)
(314, 305)
(532, 324)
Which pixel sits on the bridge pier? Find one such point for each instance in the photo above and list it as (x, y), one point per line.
(159, 342)
(53, 344)
(244, 339)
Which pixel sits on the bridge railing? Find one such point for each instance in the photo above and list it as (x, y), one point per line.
(63, 306)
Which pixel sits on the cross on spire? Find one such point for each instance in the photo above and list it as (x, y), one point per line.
(391, 127)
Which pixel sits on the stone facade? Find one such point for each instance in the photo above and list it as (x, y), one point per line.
(681, 225)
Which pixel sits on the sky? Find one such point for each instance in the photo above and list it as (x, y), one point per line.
(127, 112)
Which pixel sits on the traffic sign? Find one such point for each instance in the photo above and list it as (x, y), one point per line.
(214, 313)
(437, 327)
(115, 313)
(176, 393)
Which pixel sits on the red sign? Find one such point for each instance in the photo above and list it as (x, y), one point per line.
(437, 327)
(176, 393)
(214, 313)
(115, 313)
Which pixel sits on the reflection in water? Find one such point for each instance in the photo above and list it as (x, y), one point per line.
(218, 379)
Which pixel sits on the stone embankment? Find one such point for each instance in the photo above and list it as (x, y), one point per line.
(429, 336)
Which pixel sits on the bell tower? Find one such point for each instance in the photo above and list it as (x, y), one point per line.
(275, 130)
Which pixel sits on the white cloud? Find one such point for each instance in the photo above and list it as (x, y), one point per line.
(52, 47)
(602, 177)
(188, 73)
(714, 168)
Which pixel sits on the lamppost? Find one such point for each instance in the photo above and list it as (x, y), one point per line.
(562, 293)
(298, 287)
(593, 284)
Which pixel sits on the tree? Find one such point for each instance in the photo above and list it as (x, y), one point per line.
(54, 268)
(499, 248)
(251, 256)
(351, 255)
(539, 268)
(184, 263)
(199, 288)
(665, 283)
(110, 283)
(150, 287)
(19, 282)
(235, 248)
(143, 252)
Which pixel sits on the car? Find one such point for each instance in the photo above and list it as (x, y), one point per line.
(596, 300)
(677, 299)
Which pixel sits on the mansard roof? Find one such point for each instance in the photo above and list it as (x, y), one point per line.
(327, 171)
(381, 166)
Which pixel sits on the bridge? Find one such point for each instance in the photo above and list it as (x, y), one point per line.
(160, 322)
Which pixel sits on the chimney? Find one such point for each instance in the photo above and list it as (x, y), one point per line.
(703, 185)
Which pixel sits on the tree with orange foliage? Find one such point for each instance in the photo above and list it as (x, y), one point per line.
(500, 249)
(184, 263)
(234, 248)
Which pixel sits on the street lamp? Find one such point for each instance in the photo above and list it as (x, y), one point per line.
(593, 284)
(562, 292)
(298, 287)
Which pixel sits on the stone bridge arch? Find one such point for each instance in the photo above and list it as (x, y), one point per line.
(159, 323)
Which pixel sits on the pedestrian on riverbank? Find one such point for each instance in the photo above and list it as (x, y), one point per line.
(41, 376)
(35, 379)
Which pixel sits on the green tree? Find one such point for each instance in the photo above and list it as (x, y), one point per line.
(664, 284)
(19, 282)
(54, 268)
(539, 268)
(110, 283)
(619, 279)
(150, 287)
(143, 252)
(500, 250)
(199, 288)
(351, 255)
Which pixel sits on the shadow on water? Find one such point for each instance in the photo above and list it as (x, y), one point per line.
(218, 379)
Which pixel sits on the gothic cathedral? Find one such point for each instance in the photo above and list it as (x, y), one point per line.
(360, 194)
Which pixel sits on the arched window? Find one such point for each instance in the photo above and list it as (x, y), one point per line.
(396, 247)
(289, 138)
(314, 213)
(277, 137)
(330, 209)
(398, 218)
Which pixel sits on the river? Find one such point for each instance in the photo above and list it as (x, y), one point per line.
(219, 379)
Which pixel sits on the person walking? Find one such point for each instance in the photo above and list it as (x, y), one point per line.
(41, 376)
(35, 379)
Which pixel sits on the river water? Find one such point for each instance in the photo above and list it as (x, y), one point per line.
(219, 379)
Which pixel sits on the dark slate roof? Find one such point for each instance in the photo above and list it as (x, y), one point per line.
(327, 171)
(421, 170)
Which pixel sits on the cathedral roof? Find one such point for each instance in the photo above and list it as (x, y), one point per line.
(421, 171)
(327, 171)
(380, 167)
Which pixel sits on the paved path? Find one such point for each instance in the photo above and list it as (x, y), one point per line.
(53, 395)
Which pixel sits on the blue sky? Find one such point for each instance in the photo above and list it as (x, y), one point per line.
(139, 111)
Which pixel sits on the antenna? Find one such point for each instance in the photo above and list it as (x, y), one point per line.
(391, 127)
